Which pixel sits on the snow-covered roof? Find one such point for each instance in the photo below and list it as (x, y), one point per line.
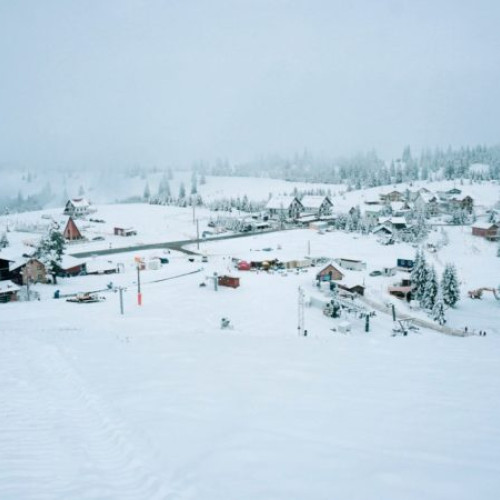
(484, 225)
(281, 202)
(314, 201)
(79, 202)
(382, 227)
(8, 255)
(397, 206)
(392, 220)
(7, 286)
(100, 265)
(68, 262)
(374, 209)
(426, 196)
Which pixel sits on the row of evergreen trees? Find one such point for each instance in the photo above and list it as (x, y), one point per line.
(368, 170)
(433, 295)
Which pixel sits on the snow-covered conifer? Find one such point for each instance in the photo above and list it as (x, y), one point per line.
(419, 275)
(438, 309)
(4, 242)
(450, 286)
(430, 289)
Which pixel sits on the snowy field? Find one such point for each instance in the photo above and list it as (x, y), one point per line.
(160, 403)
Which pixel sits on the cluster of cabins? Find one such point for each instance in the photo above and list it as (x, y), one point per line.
(16, 272)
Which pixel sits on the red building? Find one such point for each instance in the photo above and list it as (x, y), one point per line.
(229, 281)
(71, 232)
(486, 230)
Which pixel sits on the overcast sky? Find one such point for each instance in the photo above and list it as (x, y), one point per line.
(121, 82)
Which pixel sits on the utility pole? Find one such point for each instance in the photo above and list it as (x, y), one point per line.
(120, 289)
(300, 328)
(139, 295)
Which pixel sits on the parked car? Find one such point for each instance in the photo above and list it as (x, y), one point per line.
(98, 238)
(376, 273)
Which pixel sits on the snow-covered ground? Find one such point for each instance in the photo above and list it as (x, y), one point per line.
(161, 403)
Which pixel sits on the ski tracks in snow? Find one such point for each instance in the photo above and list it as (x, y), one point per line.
(58, 440)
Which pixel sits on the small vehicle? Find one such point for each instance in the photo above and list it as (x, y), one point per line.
(86, 298)
(98, 238)
(376, 273)
(204, 258)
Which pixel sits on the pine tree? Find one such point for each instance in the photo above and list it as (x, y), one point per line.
(182, 191)
(164, 189)
(4, 242)
(194, 184)
(147, 192)
(450, 286)
(438, 309)
(50, 251)
(418, 275)
(430, 289)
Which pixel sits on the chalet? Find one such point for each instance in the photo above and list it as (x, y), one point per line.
(413, 195)
(318, 205)
(31, 269)
(71, 231)
(486, 230)
(8, 291)
(383, 230)
(122, 231)
(288, 207)
(426, 203)
(77, 207)
(395, 223)
(446, 195)
(392, 196)
(329, 273)
(461, 203)
(351, 264)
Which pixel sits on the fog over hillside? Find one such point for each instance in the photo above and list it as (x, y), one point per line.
(125, 82)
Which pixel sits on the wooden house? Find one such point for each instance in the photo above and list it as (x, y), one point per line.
(392, 196)
(31, 269)
(329, 273)
(318, 205)
(487, 230)
(8, 291)
(77, 207)
(395, 223)
(427, 203)
(71, 231)
(462, 203)
(284, 207)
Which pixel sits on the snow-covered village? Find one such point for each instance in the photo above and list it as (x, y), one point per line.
(296, 298)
